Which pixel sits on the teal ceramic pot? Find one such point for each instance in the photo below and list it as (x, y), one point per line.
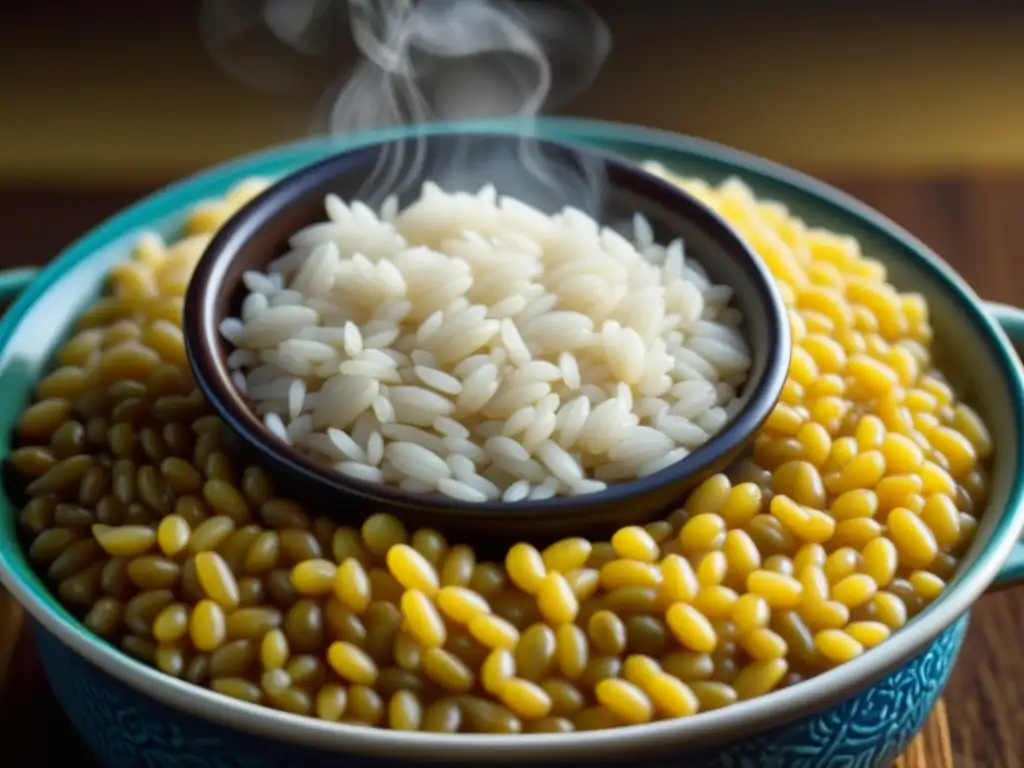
(861, 714)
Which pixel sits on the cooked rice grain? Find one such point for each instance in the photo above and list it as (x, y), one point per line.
(484, 313)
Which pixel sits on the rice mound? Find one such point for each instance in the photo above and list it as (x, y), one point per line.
(473, 346)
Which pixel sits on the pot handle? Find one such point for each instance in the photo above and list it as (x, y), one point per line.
(1011, 320)
(13, 282)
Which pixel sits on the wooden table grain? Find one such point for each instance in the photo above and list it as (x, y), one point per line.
(974, 221)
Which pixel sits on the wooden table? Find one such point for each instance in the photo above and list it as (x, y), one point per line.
(976, 223)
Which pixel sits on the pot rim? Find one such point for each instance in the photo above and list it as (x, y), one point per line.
(745, 717)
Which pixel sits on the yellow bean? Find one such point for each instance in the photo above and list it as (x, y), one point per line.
(412, 570)
(837, 646)
(777, 590)
(525, 698)
(207, 626)
(525, 568)
(352, 663)
(314, 578)
(854, 590)
(625, 700)
(912, 537)
(217, 580)
(670, 696)
(461, 605)
(352, 585)
(493, 631)
(691, 628)
(556, 600)
(423, 619)
(566, 555)
(634, 543)
(702, 532)
(760, 677)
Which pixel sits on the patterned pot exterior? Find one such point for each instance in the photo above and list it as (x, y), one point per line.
(127, 729)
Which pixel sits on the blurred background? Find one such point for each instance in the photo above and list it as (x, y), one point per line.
(918, 108)
(102, 102)
(121, 93)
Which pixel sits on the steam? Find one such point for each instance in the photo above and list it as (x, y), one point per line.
(421, 62)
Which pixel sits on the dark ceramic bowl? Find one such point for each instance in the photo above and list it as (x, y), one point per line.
(465, 162)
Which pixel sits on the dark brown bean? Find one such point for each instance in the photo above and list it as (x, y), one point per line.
(152, 445)
(137, 513)
(32, 461)
(280, 589)
(121, 439)
(153, 491)
(647, 635)
(264, 553)
(343, 624)
(62, 477)
(181, 476)
(68, 440)
(238, 688)
(96, 430)
(142, 648)
(298, 545)
(75, 558)
(599, 668)
(94, 486)
(535, 652)
(306, 670)
(83, 589)
(177, 439)
(110, 511)
(123, 482)
(192, 509)
(518, 608)
(234, 659)
(391, 680)
(305, 627)
(114, 579)
(382, 621)
(219, 467)
(141, 610)
(483, 716)
(224, 499)
(250, 592)
(48, 545)
(154, 572)
(104, 617)
(171, 660)
(256, 486)
(37, 514)
(236, 546)
(443, 716)
(284, 513)
(252, 623)
(73, 516)
(198, 669)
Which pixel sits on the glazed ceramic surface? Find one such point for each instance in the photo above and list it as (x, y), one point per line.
(124, 727)
(861, 714)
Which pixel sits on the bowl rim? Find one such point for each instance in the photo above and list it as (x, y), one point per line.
(743, 718)
(214, 377)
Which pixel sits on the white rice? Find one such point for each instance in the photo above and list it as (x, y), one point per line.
(472, 346)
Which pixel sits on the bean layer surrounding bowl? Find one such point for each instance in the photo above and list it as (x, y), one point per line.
(851, 514)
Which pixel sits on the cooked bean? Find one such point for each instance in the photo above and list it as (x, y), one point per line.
(860, 497)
